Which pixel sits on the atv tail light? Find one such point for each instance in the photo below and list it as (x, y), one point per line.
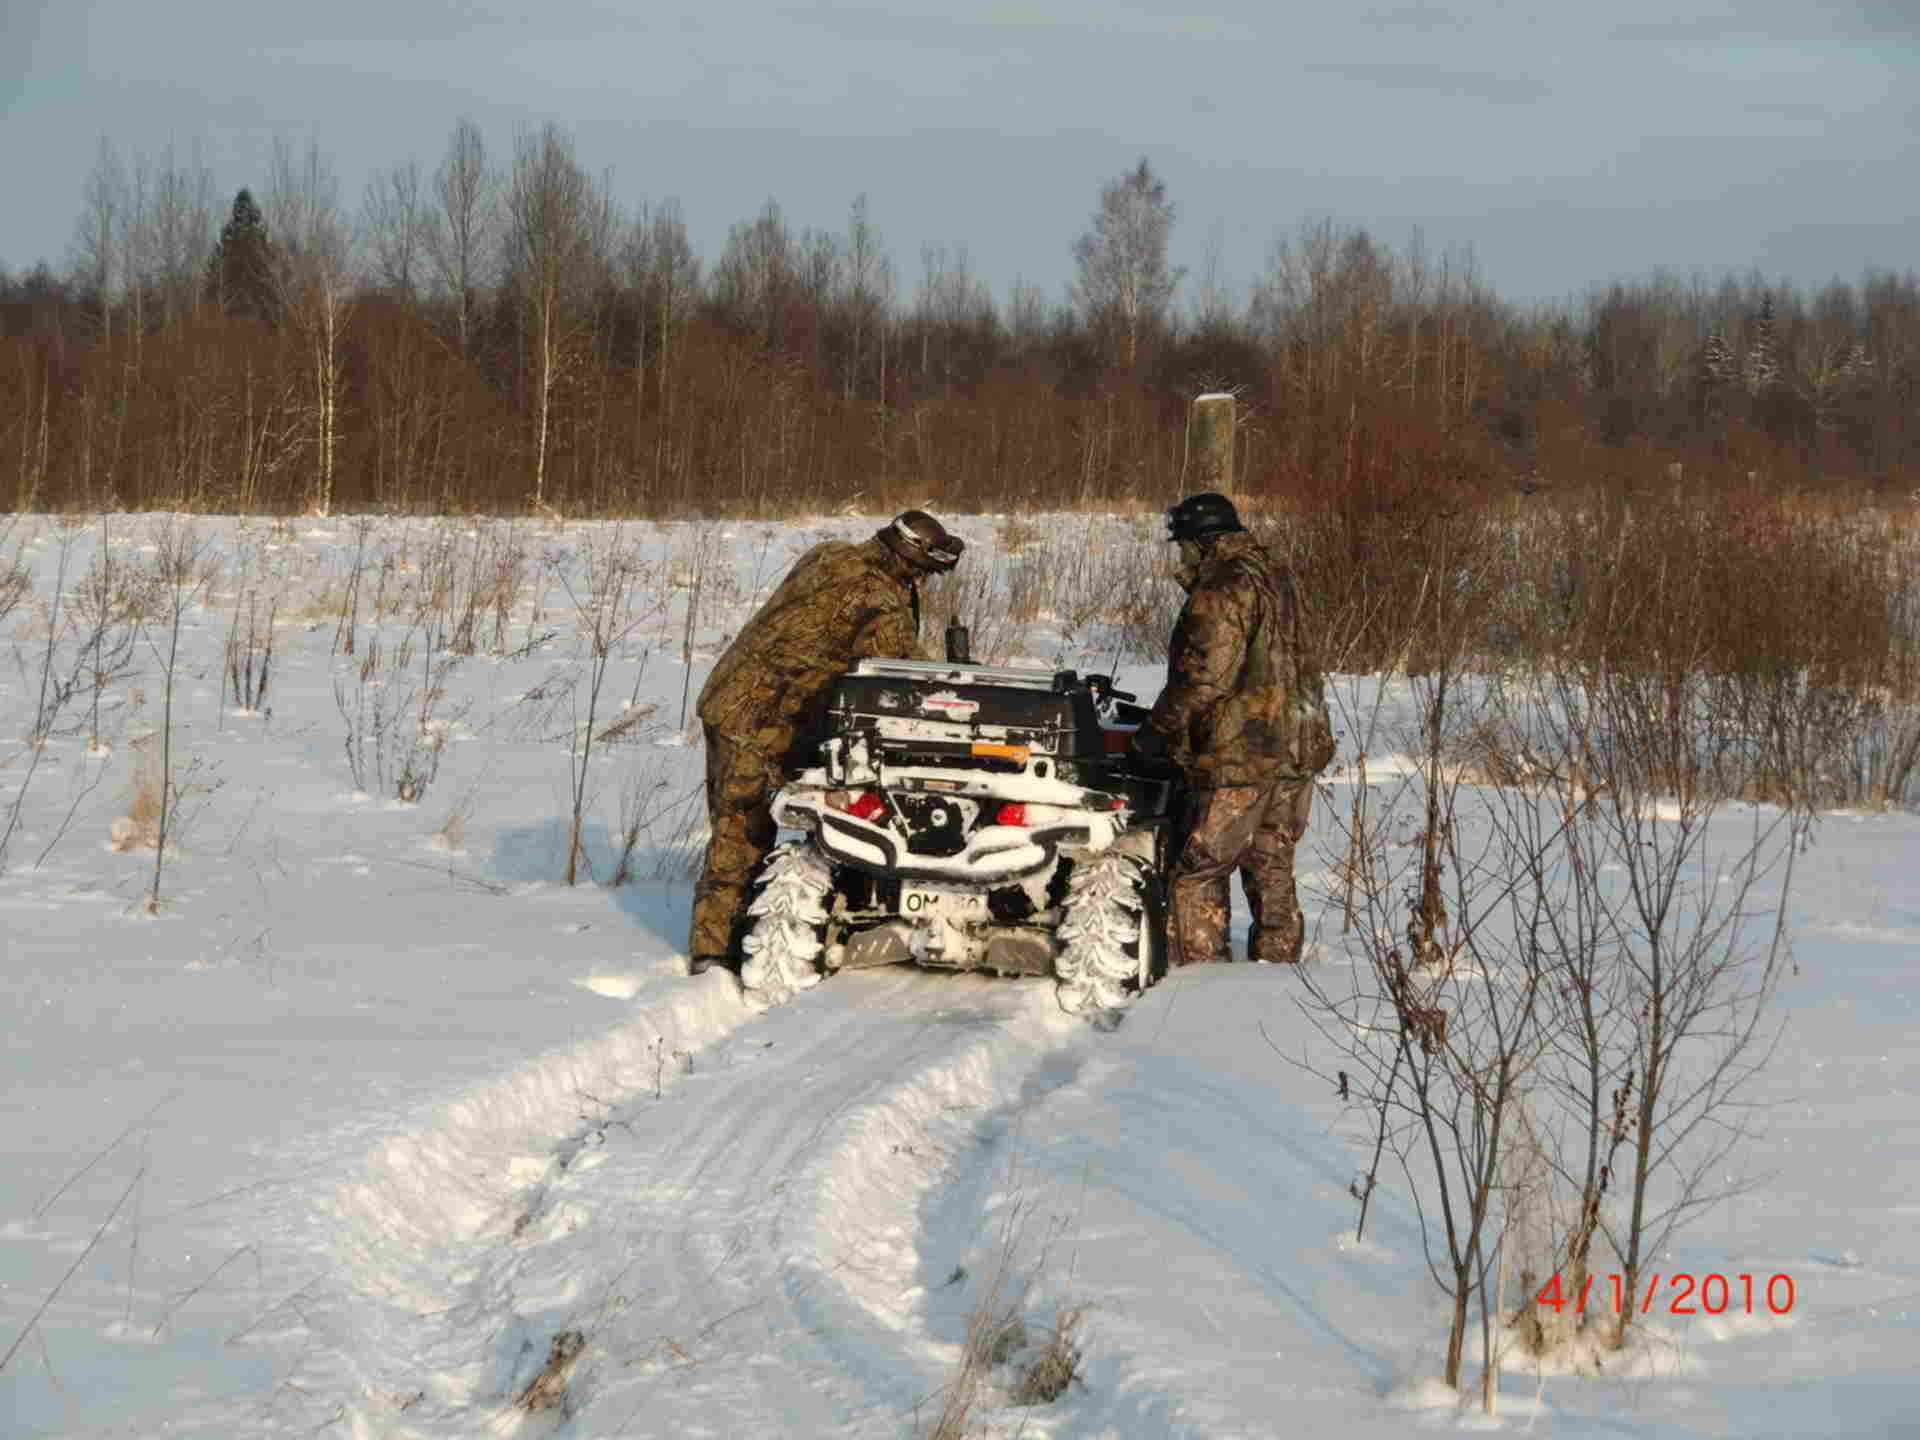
(1011, 813)
(861, 804)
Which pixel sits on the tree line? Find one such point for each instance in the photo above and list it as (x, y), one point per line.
(499, 334)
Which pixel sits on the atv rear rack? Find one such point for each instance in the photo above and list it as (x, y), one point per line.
(949, 672)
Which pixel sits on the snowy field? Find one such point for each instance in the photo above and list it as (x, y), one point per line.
(373, 1116)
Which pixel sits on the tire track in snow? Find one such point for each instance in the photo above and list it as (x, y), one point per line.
(786, 1224)
(421, 1240)
(743, 1253)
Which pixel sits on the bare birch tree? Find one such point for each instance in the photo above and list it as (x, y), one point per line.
(178, 232)
(462, 224)
(676, 286)
(861, 297)
(756, 270)
(314, 249)
(394, 219)
(558, 227)
(1213, 306)
(98, 257)
(1125, 283)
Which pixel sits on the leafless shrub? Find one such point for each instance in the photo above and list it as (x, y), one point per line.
(604, 609)
(345, 638)
(645, 796)
(1560, 1041)
(48, 702)
(1694, 959)
(1102, 586)
(398, 723)
(111, 601)
(249, 669)
(971, 594)
(694, 565)
(1442, 1037)
(184, 567)
(683, 817)
(15, 583)
(470, 578)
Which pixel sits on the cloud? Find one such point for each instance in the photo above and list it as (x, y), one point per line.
(1813, 25)
(1424, 18)
(1493, 86)
(989, 29)
(1794, 112)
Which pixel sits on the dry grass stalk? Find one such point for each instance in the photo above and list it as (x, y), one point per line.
(548, 1389)
(139, 828)
(1047, 1376)
(451, 837)
(997, 1335)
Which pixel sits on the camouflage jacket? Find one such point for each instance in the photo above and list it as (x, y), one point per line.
(841, 602)
(1244, 703)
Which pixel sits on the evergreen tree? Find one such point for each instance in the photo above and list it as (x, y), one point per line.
(1717, 367)
(1763, 359)
(240, 272)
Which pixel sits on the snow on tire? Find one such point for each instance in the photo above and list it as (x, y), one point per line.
(1108, 935)
(789, 909)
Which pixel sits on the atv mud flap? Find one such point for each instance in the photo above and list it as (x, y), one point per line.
(1005, 950)
(887, 944)
(1021, 952)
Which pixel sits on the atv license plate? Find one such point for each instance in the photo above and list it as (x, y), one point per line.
(920, 902)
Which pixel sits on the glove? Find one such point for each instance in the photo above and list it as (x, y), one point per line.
(1148, 747)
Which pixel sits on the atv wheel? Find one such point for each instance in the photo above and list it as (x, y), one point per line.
(787, 921)
(1114, 935)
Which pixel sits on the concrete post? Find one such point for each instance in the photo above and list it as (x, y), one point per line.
(1210, 442)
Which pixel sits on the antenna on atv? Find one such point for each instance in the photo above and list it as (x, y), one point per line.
(959, 643)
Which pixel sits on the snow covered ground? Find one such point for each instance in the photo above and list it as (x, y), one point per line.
(375, 1110)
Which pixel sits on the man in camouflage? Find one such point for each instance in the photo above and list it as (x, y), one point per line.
(1244, 719)
(841, 602)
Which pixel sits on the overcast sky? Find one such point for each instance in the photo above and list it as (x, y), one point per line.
(1565, 143)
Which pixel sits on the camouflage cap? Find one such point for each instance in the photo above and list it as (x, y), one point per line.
(922, 541)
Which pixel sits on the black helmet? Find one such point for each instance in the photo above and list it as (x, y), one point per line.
(922, 541)
(1202, 516)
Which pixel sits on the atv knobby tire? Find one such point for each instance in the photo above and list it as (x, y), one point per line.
(787, 922)
(1113, 935)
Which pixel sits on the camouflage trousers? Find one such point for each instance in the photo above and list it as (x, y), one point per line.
(1252, 829)
(741, 781)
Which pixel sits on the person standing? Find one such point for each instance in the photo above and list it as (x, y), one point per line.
(1244, 720)
(841, 602)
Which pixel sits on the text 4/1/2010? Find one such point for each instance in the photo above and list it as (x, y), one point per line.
(1691, 1295)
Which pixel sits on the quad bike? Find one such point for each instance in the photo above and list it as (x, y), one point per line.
(962, 816)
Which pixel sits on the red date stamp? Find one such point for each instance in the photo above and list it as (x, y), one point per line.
(1679, 1293)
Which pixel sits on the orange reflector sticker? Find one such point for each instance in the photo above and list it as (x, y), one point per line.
(1016, 753)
